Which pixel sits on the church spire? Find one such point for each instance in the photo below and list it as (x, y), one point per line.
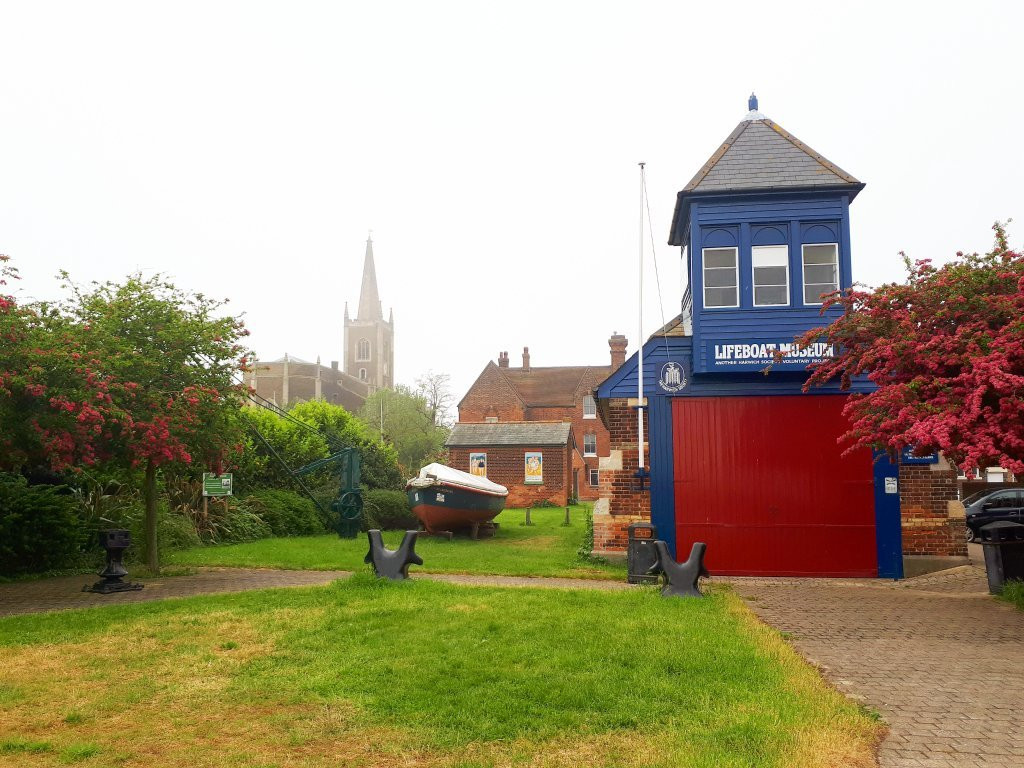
(369, 301)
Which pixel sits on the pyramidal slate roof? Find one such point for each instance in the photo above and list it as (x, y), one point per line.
(510, 433)
(760, 154)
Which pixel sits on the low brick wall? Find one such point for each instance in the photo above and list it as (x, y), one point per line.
(931, 521)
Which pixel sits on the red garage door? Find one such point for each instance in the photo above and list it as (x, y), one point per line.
(762, 481)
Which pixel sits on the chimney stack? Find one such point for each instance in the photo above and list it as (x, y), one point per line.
(617, 345)
(503, 359)
(526, 359)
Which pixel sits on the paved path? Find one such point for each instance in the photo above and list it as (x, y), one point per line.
(65, 592)
(940, 659)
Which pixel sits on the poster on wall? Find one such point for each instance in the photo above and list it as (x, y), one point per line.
(478, 464)
(534, 468)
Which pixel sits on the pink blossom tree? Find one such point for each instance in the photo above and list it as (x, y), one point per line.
(946, 352)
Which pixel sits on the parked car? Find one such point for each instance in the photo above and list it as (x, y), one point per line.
(986, 507)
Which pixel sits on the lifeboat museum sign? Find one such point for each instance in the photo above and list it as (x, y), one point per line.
(751, 356)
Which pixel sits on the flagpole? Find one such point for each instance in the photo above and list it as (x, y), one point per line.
(640, 339)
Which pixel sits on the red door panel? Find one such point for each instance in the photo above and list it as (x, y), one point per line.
(764, 483)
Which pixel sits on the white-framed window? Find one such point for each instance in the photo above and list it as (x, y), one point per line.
(363, 350)
(362, 374)
(770, 265)
(721, 277)
(821, 271)
(590, 445)
(595, 477)
(589, 407)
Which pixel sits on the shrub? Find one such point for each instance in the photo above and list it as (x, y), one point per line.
(243, 522)
(287, 513)
(40, 528)
(388, 510)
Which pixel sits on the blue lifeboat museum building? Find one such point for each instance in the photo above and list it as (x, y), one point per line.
(742, 460)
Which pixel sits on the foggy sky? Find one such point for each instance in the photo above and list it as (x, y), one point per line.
(245, 149)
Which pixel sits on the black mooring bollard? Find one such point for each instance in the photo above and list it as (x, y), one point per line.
(680, 578)
(392, 564)
(115, 542)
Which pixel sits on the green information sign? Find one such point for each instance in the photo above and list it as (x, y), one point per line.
(216, 485)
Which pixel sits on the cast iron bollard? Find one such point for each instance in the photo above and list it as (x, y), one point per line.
(641, 555)
(115, 543)
(680, 578)
(392, 564)
(1003, 544)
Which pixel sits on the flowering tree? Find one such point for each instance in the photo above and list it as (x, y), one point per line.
(175, 358)
(946, 352)
(139, 374)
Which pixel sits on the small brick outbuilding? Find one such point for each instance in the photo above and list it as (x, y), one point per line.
(532, 459)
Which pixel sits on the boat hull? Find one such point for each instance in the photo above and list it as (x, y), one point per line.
(448, 508)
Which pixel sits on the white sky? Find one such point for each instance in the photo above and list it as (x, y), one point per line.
(246, 148)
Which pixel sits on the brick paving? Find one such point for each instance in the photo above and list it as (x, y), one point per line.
(938, 657)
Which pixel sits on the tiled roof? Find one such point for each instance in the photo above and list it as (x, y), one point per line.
(759, 154)
(556, 386)
(510, 433)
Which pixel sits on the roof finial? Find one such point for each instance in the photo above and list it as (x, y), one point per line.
(752, 102)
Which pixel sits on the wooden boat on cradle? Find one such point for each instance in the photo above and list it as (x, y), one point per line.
(446, 499)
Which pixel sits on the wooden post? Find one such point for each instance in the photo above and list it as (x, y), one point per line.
(528, 520)
(566, 524)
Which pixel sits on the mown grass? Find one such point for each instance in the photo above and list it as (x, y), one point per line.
(1013, 592)
(546, 548)
(368, 673)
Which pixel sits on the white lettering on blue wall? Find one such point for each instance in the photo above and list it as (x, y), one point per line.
(756, 355)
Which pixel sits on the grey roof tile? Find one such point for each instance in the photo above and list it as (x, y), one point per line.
(759, 154)
(524, 433)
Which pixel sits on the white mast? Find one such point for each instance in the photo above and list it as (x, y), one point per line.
(640, 338)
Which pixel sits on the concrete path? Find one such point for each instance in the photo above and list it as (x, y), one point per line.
(65, 593)
(940, 659)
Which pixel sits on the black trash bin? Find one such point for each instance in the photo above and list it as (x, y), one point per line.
(1004, 553)
(641, 554)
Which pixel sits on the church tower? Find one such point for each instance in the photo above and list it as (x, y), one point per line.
(369, 338)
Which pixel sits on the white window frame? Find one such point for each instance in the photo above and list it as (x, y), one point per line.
(803, 269)
(753, 273)
(359, 351)
(589, 400)
(704, 273)
(592, 436)
(594, 477)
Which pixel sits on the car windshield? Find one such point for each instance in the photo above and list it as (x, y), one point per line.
(975, 497)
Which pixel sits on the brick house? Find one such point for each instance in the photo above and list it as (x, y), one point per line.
(502, 394)
(533, 459)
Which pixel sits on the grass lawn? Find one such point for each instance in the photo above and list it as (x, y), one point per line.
(1013, 592)
(543, 549)
(364, 673)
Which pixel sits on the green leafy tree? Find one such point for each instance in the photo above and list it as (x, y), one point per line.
(404, 418)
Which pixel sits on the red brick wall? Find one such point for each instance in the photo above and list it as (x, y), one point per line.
(618, 481)
(925, 494)
(506, 464)
(491, 395)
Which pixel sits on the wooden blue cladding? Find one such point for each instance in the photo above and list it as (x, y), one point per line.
(748, 221)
